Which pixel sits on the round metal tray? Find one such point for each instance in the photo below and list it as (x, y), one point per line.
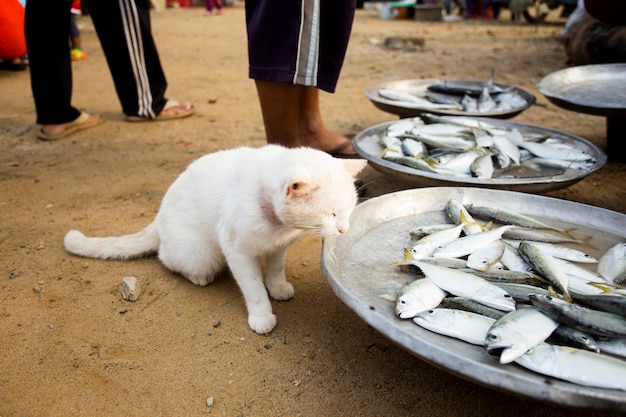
(419, 87)
(594, 89)
(359, 266)
(366, 144)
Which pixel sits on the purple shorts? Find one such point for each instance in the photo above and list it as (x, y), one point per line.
(300, 42)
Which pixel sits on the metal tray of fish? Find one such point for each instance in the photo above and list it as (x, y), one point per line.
(420, 89)
(359, 266)
(367, 144)
(594, 89)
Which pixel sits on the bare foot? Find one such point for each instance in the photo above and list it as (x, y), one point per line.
(176, 110)
(328, 141)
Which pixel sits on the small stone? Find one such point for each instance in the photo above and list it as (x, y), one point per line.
(217, 324)
(267, 346)
(51, 326)
(210, 401)
(14, 274)
(130, 288)
(85, 265)
(36, 290)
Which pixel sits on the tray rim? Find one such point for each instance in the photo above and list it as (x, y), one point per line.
(551, 391)
(392, 107)
(529, 184)
(568, 103)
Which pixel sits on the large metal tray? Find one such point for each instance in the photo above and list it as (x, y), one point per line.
(419, 87)
(366, 144)
(594, 89)
(359, 267)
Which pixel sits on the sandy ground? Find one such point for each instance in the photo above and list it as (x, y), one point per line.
(71, 346)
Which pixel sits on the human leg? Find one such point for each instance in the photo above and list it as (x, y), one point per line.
(280, 103)
(46, 28)
(124, 30)
(312, 131)
(289, 60)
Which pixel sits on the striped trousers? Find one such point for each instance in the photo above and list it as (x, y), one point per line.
(123, 27)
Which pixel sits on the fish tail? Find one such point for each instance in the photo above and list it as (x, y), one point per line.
(585, 242)
(407, 255)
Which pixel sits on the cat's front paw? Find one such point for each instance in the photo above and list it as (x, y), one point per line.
(262, 324)
(282, 291)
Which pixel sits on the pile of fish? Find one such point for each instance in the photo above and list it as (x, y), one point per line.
(517, 286)
(450, 95)
(464, 148)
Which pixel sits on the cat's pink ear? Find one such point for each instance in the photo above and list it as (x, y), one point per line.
(297, 188)
(354, 166)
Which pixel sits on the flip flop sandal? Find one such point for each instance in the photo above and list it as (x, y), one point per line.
(336, 152)
(80, 123)
(187, 110)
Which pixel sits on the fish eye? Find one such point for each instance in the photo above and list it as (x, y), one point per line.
(492, 336)
(549, 297)
(403, 302)
(507, 296)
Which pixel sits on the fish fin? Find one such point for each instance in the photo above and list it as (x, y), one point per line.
(553, 292)
(388, 297)
(585, 242)
(606, 288)
(407, 254)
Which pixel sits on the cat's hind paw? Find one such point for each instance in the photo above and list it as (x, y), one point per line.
(282, 291)
(262, 324)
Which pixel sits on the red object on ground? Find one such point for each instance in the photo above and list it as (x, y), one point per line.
(12, 39)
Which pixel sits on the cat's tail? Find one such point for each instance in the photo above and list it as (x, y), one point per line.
(134, 245)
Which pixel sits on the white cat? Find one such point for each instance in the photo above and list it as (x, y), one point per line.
(241, 208)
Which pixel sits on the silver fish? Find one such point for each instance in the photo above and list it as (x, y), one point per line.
(467, 285)
(588, 320)
(506, 146)
(482, 167)
(467, 304)
(576, 365)
(612, 265)
(485, 102)
(546, 265)
(411, 100)
(418, 296)
(551, 152)
(467, 244)
(461, 162)
(573, 337)
(449, 142)
(517, 331)
(512, 260)
(414, 148)
(469, 104)
(421, 231)
(610, 302)
(509, 217)
(612, 345)
(559, 251)
(485, 257)
(543, 235)
(464, 325)
(425, 247)
(521, 292)
(457, 212)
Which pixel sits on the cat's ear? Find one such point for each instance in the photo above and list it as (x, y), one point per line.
(354, 166)
(298, 188)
